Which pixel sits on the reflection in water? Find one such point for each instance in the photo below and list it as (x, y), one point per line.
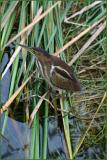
(56, 143)
(5, 82)
(15, 140)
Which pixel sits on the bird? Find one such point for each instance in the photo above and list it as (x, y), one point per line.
(58, 74)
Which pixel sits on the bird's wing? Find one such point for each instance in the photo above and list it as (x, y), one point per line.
(63, 73)
(62, 79)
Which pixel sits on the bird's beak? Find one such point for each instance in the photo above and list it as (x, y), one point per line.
(29, 49)
(32, 50)
(26, 47)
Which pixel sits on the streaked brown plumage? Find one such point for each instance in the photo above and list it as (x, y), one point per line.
(55, 71)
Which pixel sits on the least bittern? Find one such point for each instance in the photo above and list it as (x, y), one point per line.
(55, 71)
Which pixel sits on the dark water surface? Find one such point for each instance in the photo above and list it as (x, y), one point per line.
(16, 139)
